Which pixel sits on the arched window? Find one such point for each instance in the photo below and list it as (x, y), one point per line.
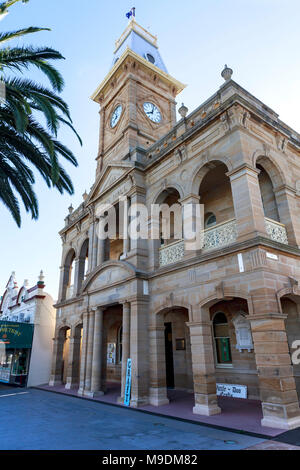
(210, 220)
(222, 339)
(120, 344)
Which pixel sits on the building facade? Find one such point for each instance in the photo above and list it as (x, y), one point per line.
(27, 324)
(225, 314)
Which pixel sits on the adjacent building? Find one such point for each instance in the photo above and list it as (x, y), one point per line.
(200, 320)
(27, 323)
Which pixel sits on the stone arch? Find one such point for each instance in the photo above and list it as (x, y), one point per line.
(122, 265)
(68, 271)
(222, 293)
(163, 309)
(200, 172)
(272, 168)
(171, 186)
(82, 263)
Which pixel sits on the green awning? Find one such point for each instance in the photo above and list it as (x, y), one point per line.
(16, 335)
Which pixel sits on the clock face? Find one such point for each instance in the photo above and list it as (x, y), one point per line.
(116, 116)
(152, 112)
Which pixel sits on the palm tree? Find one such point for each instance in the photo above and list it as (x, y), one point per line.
(26, 144)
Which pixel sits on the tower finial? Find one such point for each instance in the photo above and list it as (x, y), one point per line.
(227, 73)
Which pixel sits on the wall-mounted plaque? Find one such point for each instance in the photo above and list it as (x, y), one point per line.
(180, 344)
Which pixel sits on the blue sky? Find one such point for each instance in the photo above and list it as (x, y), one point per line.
(259, 39)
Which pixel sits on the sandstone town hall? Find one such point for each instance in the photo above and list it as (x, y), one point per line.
(188, 320)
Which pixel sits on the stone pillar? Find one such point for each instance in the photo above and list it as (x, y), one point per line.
(248, 208)
(95, 246)
(76, 286)
(83, 353)
(61, 283)
(279, 398)
(89, 354)
(125, 346)
(91, 239)
(101, 251)
(126, 222)
(157, 358)
(193, 222)
(287, 209)
(203, 365)
(97, 354)
(138, 255)
(57, 357)
(139, 352)
(73, 361)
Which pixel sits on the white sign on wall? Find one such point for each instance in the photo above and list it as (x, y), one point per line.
(232, 390)
(111, 353)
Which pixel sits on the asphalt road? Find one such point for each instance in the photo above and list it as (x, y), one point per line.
(40, 420)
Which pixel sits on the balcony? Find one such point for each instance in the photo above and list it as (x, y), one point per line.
(220, 235)
(276, 231)
(215, 237)
(171, 253)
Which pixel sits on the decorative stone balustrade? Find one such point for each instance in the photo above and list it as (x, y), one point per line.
(220, 235)
(276, 231)
(171, 253)
(215, 237)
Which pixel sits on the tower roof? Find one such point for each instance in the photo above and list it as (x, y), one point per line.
(140, 41)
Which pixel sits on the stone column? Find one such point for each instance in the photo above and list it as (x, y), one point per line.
(76, 286)
(157, 358)
(194, 221)
(101, 250)
(139, 352)
(95, 246)
(138, 255)
(91, 239)
(97, 354)
(203, 365)
(61, 283)
(89, 354)
(279, 398)
(126, 222)
(56, 367)
(248, 208)
(73, 361)
(287, 209)
(125, 346)
(83, 353)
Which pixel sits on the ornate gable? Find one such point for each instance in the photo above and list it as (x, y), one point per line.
(110, 176)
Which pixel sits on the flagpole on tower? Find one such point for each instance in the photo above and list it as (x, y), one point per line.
(131, 14)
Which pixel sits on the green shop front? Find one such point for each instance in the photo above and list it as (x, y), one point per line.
(15, 349)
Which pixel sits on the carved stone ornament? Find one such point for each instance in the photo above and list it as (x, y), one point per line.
(243, 332)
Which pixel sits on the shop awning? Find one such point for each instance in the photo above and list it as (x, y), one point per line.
(16, 335)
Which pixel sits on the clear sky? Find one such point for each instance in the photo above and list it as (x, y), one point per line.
(258, 39)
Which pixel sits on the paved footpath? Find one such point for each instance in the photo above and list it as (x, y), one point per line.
(40, 420)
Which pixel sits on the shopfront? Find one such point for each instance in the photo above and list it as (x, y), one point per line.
(15, 350)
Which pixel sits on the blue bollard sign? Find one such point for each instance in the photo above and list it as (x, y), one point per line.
(128, 383)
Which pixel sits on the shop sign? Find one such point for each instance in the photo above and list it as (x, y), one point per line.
(232, 390)
(16, 335)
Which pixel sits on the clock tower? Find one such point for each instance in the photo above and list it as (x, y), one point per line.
(137, 97)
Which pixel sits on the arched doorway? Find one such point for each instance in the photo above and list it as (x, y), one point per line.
(170, 358)
(112, 350)
(233, 347)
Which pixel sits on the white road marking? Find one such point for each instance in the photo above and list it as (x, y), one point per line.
(10, 394)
